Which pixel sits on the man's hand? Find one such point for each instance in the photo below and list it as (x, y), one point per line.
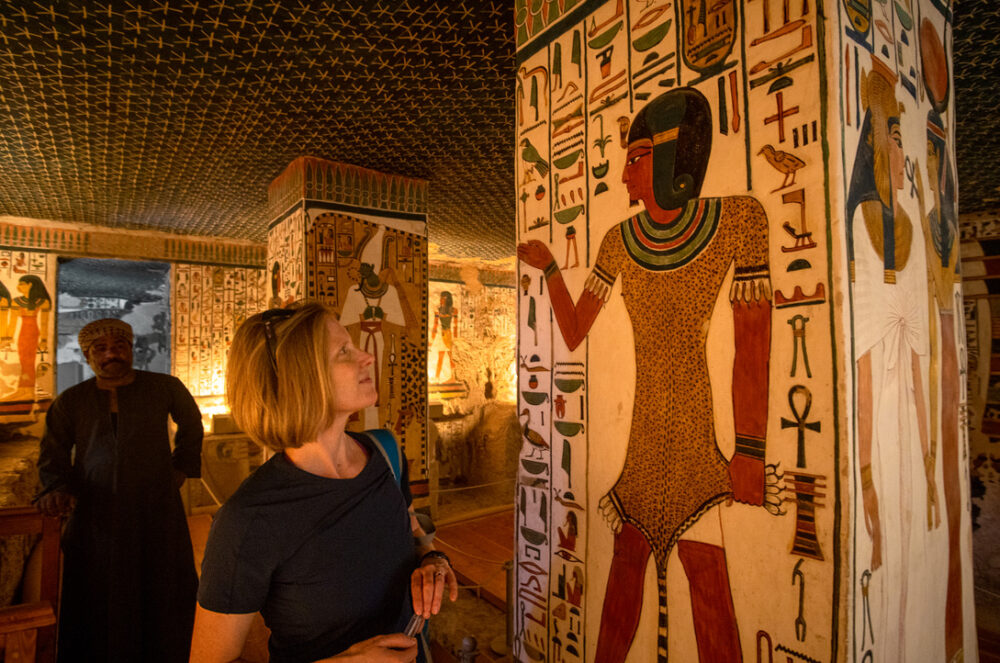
(535, 254)
(56, 503)
(747, 476)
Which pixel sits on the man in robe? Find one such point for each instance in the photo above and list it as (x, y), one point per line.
(106, 459)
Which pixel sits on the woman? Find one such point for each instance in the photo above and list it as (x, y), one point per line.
(320, 539)
(33, 308)
(5, 331)
(889, 339)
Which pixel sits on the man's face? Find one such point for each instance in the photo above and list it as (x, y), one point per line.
(110, 357)
(638, 172)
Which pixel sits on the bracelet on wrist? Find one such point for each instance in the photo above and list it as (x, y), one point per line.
(434, 554)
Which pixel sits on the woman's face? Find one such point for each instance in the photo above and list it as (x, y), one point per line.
(350, 370)
(896, 157)
(933, 166)
(23, 287)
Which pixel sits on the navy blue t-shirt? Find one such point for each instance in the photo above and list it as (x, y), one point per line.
(327, 562)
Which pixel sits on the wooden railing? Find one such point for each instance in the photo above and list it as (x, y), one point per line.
(28, 630)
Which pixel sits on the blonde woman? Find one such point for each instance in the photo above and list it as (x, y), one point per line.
(320, 539)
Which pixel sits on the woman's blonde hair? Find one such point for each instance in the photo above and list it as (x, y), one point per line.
(282, 395)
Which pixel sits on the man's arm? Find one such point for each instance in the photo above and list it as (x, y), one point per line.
(574, 319)
(751, 301)
(187, 441)
(55, 467)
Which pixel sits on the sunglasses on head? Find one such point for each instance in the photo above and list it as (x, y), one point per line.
(270, 318)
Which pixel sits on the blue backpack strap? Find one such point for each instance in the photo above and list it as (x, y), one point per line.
(386, 443)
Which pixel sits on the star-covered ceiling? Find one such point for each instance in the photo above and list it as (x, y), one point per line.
(977, 111)
(177, 114)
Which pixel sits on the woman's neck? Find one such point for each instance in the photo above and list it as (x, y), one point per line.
(333, 454)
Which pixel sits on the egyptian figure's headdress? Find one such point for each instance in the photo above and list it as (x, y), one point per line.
(679, 124)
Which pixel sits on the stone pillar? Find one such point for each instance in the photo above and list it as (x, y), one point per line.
(356, 239)
(739, 294)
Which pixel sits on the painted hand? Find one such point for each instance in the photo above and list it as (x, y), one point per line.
(427, 585)
(747, 476)
(872, 523)
(535, 254)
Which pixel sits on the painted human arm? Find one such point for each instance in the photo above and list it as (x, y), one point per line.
(751, 301)
(865, 428)
(940, 286)
(43, 325)
(187, 441)
(574, 319)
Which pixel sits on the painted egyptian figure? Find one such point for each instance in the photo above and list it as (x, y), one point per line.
(672, 259)
(5, 331)
(889, 340)
(940, 227)
(32, 308)
(445, 315)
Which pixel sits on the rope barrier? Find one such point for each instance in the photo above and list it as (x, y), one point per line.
(480, 485)
(459, 550)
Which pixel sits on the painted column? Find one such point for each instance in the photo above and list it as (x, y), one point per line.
(738, 295)
(356, 239)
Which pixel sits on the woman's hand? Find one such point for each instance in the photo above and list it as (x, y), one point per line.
(427, 584)
(391, 648)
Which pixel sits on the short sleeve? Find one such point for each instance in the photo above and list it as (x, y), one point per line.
(608, 265)
(752, 275)
(235, 575)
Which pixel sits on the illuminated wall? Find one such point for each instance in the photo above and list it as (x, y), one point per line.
(27, 330)
(214, 285)
(471, 343)
(356, 239)
(209, 302)
(743, 437)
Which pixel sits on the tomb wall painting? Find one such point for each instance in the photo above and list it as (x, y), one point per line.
(911, 539)
(356, 239)
(27, 331)
(980, 251)
(679, 470)
(470, 357)
(208, 303)
(739, 269)
(39, 249)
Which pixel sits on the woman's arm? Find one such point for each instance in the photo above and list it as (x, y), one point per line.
(218, 637)
(429, 580)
